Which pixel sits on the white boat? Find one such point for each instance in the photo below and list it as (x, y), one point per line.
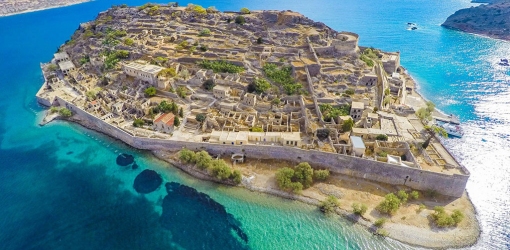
(452, 129)
(411, 26)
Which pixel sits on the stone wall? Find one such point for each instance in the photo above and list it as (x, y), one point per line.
(451, 185)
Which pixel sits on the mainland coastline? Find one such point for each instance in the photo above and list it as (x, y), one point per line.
(15, 7)
(469, 227)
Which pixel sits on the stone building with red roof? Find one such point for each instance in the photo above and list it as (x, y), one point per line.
(164, 122)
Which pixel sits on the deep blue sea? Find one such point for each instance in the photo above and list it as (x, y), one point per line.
(60, 186)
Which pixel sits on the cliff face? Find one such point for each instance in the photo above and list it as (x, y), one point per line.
(492, 20)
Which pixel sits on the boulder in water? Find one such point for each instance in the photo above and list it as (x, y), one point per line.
(147, 181)
(125, 159)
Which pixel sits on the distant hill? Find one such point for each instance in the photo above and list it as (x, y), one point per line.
(492, 20)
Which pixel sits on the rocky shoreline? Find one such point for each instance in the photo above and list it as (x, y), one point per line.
(490, 20)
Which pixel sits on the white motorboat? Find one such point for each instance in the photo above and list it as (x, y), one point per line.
(452, 129)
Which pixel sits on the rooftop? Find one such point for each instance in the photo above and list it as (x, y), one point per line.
(166, 118)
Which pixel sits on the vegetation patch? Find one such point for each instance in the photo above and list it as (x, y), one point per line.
(329, 205)
(442, 219)
(113, 57)
(329, 112)
(216, 167)
(283, 77)
(297, 178)
(221, 66)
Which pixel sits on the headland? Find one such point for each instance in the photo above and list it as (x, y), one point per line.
(14, 7)
(251, 87)
(489, 20)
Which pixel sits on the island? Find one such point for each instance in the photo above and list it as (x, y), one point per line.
(13, 7)
(271, 101)
(489, 20)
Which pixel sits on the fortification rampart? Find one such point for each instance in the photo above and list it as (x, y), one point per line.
(451, 185)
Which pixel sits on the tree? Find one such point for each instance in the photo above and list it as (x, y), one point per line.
(276, 101)
(177, 122)
(328, 206)
(187, 156)
(150, 91)
(261, 85)
(220, 169)
(284, 177)
(303, 173)
(203, 159)
(359, 209)
(245, 11)
(381, 137)
(259, 40)
(200, 118)
(208, 84)
(349, 91)
(240, 20)
(181, 92)
(390, 204)
(168, 72)
(321, 175)
(322, 133)
(138, 123)
(347, 125)
(423, 114)
(236, 176)
(433, 130)
(65, 112)
(181, 112)
(430, 106)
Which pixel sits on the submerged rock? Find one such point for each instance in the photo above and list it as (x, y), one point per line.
(184, 204)
(134, 166)
(147, 181)
(125, 159)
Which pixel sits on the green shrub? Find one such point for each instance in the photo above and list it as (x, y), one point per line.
(347, 125)
(182, 92)
(382, 232)
(240, 20)
(150, 91)
(256, 129)
(403, 196)
(54, 110)
(359, 209)
(177, 121)
(329, 112)
(168, 72)
(236, 176)
(208, 84)
(200, 118)
(113, 57)
(381, 137)
(380, 222)
(245, 11)
(205, 32)
(367, 60)
(321, 175)
(442, 219)
(138, 123)
(420, 208)
(329, 205)
(259, 40)
(221, 66)
(349, 91)
(390, 205)
(65, 112)
(414, 195)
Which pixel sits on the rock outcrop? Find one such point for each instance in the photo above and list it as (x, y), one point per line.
(492, 20)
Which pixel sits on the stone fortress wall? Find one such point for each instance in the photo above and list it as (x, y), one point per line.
(446, 184)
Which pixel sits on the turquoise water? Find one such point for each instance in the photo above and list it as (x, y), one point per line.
(61, 188)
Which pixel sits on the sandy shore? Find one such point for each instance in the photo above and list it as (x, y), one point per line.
(46, 8)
